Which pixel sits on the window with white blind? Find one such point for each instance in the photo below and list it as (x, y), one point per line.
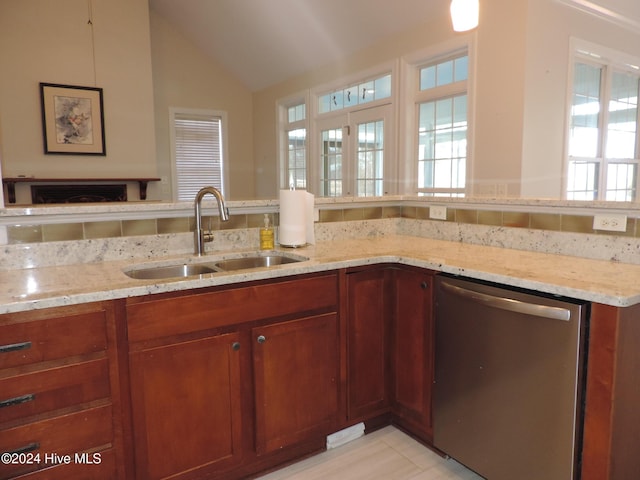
(198, 146)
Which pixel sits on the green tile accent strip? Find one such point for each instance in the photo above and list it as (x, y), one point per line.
(513, 219)
(62, 232)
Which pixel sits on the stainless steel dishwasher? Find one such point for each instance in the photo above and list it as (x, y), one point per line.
(508, 386)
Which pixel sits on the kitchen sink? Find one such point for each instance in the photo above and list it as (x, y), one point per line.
(215, 265)
(255, 261)
(171, 271)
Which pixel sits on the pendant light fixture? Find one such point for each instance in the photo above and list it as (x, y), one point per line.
(464, 14)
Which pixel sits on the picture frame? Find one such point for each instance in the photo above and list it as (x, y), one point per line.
(72, 120)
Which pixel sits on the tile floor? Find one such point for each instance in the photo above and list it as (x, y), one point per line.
(386, 454)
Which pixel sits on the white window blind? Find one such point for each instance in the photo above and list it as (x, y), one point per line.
(198, 152)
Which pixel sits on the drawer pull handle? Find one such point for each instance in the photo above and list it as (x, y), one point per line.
(12, 347)
(27, 448)
(261, 339)
(17, 400)
(235, 346)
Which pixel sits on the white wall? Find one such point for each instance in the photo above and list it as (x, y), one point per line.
(520, 90)
(51, 41)
(550, 26)
(184, 77)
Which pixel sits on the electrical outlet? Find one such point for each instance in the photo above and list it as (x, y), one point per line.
(611, 223)
(438, 212)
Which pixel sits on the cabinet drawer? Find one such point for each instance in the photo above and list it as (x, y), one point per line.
(53, 388)
(65, 435)
(172, 316)
(52, 338)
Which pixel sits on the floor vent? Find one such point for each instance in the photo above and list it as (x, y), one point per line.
(346, 435)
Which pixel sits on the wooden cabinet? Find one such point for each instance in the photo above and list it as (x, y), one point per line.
(225, 380)
(296, 372)
(412, 349)
(59, 393)
(390, 345)
(368, 360)
(611, 416)
(186, 400)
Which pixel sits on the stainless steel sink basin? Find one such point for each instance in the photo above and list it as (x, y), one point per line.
(171, 271)
(183, 269)
(255, 261)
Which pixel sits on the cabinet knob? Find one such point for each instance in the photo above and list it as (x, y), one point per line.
(235, 346)
(261, 339)
(424, 285)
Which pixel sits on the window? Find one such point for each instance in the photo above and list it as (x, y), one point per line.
(354, 129)
(355, 152)
(198, 146)
(353, 95)
(602, 149)
(441, 104)
(295, 171)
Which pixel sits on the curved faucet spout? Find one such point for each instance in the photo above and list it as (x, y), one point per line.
(200, 237)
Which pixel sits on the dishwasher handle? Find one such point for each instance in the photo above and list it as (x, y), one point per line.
(545, 311)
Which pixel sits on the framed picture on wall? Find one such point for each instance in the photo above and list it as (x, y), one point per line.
(72, 119)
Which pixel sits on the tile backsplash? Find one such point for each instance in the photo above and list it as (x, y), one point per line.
(554, 222)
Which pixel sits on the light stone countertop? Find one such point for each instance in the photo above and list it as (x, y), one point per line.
(606, 282)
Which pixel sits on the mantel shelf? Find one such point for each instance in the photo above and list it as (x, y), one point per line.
(10, 182)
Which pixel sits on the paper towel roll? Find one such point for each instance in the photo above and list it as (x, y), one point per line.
(295, 217)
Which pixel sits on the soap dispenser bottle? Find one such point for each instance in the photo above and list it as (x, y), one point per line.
(266, 234)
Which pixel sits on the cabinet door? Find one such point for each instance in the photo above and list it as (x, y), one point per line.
(186, 401)
(413, 349)
(368, 364)
(296, 369)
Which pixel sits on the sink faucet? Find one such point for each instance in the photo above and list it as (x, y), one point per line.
(200, 236)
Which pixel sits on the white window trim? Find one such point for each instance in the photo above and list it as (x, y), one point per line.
(282, 144)
(313, 133)
(173, 111)
(596, 54)
(407, 146)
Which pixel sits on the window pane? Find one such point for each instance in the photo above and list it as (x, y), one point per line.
(350, 96)
(461, 68)
(370, 159)
(382, 87)
(585, 111)
(366, 92)
(297, 167)
(444, 73)
(582, 180)
(623, 117)
(621, 182)
(324, 103)
(296, 113)
(428, 78)
(331, 161)
(442, 143)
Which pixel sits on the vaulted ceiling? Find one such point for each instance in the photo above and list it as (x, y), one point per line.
(263, 42)
(266, 41)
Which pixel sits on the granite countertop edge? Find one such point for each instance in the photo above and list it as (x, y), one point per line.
(607, 282)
